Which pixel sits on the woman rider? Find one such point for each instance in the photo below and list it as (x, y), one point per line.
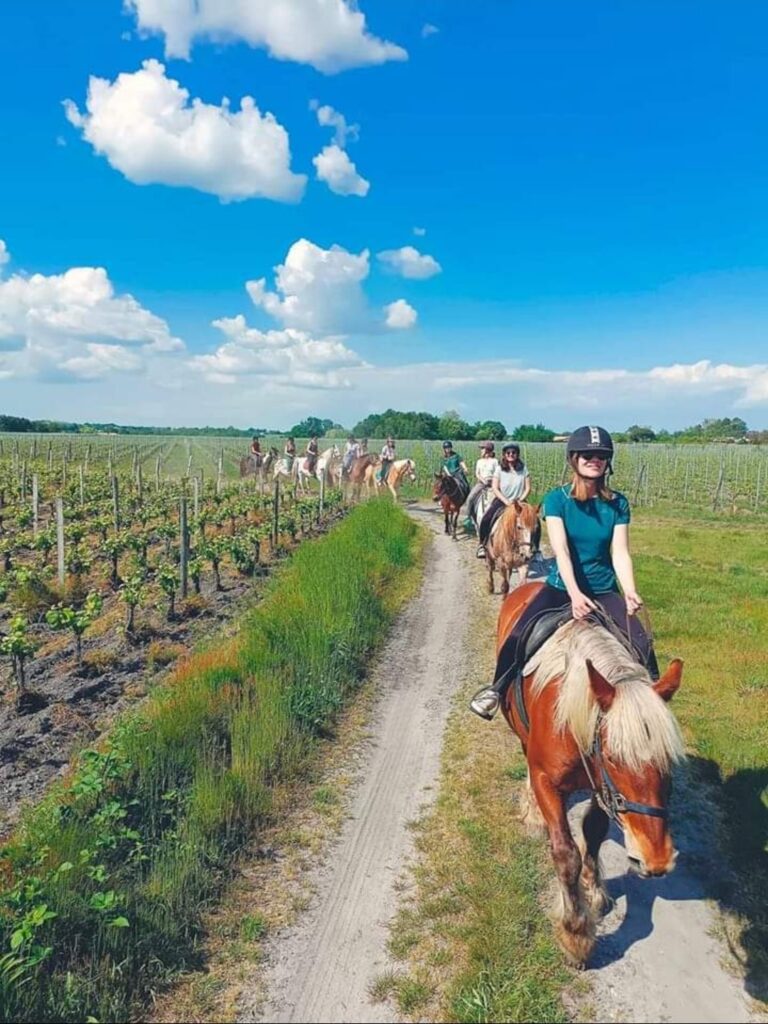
(387, 458)
(289, 452)
(313, 451)
(454, 466)
(485, 467)
(256, 446)
(588, 526)
(510, 482)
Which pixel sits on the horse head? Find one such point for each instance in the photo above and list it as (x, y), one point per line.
(410, 467)
(636, 741)
(525, 522)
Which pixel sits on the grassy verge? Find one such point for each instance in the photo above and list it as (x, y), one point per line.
(104, 886)
(473, 937)
(708, 591)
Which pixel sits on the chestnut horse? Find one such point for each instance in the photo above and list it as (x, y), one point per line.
(451, 496)
(589, 717)
(357, 474)
(510, 545)
(398, 471)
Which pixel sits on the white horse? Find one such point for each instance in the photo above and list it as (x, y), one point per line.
(327, 466)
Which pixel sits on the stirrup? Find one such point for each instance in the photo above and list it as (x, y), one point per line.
(480, 553)
(485, 703)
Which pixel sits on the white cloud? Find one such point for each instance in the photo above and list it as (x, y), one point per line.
(146, 127)
(334, 167)
(327, 117)
(317, 290)
(420, 232)
(73, 326)
(409, 262)
(592, 388)
(400, 315)
(5, 256)
(288, 358)
(429, 30)
(331, 35)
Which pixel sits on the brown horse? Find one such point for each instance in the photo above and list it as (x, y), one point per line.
(358, 473)
(510, 545)
(589, 717)
(258, 465)
(451, 497)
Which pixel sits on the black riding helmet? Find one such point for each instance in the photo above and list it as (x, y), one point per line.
(593, 441)
(447, 444)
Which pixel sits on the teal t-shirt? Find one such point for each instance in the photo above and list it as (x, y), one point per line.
(589, 527)
(452, 463)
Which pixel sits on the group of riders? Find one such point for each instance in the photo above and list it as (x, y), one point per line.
(588, 527)
(353, 449)
(587, 523)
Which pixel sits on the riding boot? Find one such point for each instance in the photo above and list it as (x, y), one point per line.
(486, 702)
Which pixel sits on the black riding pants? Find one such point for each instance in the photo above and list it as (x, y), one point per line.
(551, 598)
(487, 521)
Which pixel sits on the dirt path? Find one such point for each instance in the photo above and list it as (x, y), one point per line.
(658, 957)
(322, 970)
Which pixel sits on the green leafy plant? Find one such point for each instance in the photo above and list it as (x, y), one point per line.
(17, 646)
(76, 619)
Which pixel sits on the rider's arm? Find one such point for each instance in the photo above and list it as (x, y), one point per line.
(527, 488)
(622, 564)
(559, 541)
(480, 477)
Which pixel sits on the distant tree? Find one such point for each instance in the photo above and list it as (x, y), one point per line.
(490, 430)
(453, 427)
(637, 434)
(311, 426)
(336, 432)
(416, 425)
(529, 432)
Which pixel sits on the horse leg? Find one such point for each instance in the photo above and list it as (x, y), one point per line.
(490, 565)
(575, 924)
(595, 829)
(446, 527)
(531, 817)
(504, 578)
(455, 522)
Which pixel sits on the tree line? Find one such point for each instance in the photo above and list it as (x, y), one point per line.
(423, 426)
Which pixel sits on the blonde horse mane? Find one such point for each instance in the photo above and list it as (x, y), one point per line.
(640, 728)
(398, 470)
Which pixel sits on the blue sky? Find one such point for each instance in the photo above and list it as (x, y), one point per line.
(589, 180)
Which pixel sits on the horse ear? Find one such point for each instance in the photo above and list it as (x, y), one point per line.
(669, 683)
(517, 505)
(601, 688)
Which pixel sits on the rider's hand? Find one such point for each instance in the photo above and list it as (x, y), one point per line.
(581, 605)
(633, 601)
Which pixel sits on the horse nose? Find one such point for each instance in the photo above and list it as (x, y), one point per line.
(655, 868)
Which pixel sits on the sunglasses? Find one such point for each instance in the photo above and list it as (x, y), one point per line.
(589, 456)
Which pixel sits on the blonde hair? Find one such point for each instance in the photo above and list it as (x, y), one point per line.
(579, 485)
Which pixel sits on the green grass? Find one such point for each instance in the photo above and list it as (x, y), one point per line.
(708, 592)
(103, 889)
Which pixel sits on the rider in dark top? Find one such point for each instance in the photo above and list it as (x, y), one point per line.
(312, 453)
(588, 526)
